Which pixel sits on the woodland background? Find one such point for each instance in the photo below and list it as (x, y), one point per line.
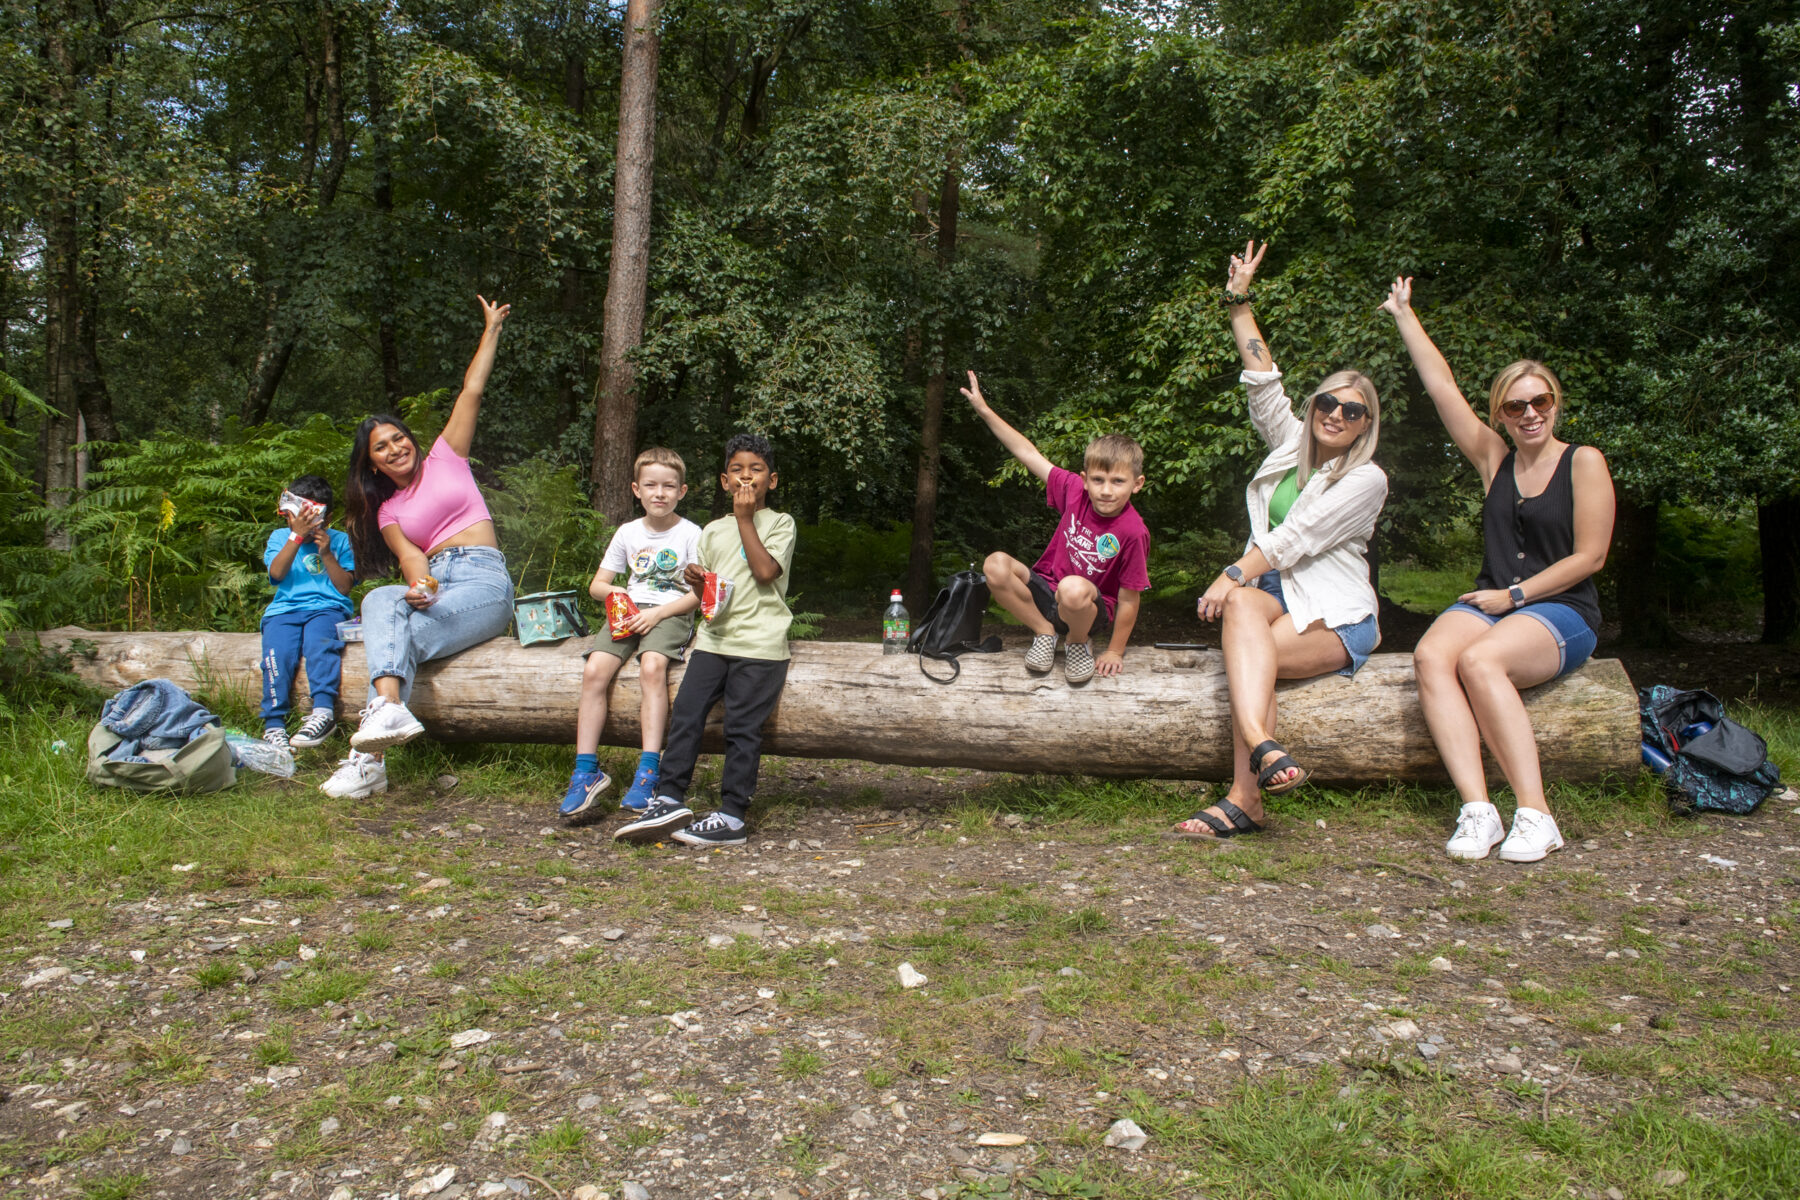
(229, 231)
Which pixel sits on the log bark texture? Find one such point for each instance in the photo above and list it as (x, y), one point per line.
(1167, 717)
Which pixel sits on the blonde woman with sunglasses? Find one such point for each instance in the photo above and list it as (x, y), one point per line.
(1546, 524)
(1298, 602)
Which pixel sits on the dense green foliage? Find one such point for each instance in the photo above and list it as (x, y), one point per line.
(281, 216)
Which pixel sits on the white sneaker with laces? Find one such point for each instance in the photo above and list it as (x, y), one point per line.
(1478, 830)
(385, 723)
(1534, 835)
(357, 776)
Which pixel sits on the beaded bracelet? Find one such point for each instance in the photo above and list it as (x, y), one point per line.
(1232, 299)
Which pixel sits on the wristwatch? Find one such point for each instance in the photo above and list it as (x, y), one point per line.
(1518, 595)
(1235, 573)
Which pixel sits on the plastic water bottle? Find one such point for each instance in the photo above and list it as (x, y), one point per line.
(258, 755)
(896, 625)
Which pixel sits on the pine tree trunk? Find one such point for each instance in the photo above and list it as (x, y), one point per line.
(1642, 606)
(615, 416)
(1778, 531)
(920, 581)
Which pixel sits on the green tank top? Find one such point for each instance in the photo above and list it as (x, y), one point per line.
(1286, 492)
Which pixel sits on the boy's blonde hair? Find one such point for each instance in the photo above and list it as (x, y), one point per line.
(1114, 450)
(1511, 374)
(1360, 451)
(659, 456)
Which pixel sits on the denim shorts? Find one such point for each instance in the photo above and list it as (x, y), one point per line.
(1574, 640)
(1360, 638)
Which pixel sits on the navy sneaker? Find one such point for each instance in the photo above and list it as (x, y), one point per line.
(584, 789)
(663, 815)
(713, 830)
(643, 789)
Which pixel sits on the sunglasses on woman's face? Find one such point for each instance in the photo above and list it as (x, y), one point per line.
(1543, 402)
(1325, 404)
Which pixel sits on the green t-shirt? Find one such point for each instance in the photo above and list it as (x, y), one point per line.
(756, 618)
(1286, 492)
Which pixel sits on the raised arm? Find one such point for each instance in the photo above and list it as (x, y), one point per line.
(1478, 442)
(459, 430)
(1015, 442)
(1242, 272)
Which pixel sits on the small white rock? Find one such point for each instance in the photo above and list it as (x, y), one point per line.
(1440, 963)
(1006, 1139)
(910, 978)
(631, 1189)
(329, 1126)
(341, 1192)
(1125, 1135)
(469, 1037)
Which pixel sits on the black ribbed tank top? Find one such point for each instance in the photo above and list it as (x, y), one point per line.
(1523, 535)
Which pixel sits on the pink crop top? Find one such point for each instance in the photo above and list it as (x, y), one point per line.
(441, 503)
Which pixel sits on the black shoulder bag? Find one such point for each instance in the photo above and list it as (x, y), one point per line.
(952, 625)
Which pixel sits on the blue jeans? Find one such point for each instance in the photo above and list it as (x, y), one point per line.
(474, 603)
(1574, 640)
(289, 637)
(1360, 638)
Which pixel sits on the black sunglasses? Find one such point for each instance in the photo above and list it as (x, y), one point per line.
(1325, 404)
(1543, 402)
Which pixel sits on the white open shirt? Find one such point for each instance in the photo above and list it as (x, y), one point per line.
(1321, 548)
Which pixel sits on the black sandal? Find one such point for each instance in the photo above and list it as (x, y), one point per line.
(1240, 823)
(1284, 763)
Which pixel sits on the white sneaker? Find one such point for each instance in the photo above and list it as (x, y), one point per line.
(385, 723)
(357, 776)
(1533, 835)
(1478, 830)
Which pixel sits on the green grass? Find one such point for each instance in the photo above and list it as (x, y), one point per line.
(114, 1187)
(797, 1063)
(313, 988)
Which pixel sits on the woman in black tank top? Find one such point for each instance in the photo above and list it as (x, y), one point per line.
(1546, 525)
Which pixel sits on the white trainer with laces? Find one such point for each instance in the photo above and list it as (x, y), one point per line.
(385, 723)
(357, 776)
(1478, 830)
(1534, 835)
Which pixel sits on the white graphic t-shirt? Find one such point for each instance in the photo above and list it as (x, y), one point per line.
(649, 564)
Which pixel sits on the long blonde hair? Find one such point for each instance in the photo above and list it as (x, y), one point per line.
(1360, 451)
(1510, 374)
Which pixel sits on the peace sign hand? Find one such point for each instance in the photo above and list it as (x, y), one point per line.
(1243, 266)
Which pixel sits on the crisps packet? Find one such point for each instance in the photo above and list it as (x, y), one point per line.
(715, 594)
(291, 505)
(619, 609)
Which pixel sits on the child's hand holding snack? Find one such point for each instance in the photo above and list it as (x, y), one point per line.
(644, 620)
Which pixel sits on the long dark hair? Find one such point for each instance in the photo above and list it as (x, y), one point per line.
(364, 491)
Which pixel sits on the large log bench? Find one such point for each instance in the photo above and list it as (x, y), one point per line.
(1165, 717)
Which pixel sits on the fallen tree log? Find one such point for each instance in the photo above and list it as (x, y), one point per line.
(1166, 717)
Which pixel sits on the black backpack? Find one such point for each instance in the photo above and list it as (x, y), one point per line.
(1725, 769)
(952, 625)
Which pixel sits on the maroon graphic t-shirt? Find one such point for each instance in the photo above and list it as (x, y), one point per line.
(1110, 552)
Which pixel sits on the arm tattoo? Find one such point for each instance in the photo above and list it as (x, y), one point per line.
(1256, 350)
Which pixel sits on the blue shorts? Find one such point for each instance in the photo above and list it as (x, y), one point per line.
(1359, 639)
(1574, 640)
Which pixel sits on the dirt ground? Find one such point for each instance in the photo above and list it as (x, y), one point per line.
(669, 1023)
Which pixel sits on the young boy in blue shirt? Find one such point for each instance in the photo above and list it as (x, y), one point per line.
(313, 569)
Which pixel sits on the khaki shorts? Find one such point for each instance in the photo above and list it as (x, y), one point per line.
(667, 639)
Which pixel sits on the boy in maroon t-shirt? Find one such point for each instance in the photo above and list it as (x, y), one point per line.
(1098, 557)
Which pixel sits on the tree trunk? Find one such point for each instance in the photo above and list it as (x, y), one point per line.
(1642, 607)
(382, 191)
(615, 403)
(1168, 717)
(920, 581)
(1778, 532)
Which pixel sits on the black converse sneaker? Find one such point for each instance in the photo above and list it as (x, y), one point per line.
(315, 729)
(713, 830)
(663, 815)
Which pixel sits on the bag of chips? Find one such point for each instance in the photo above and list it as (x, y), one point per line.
(619, 609)
(715, 594)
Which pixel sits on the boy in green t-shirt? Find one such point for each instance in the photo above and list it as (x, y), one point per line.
(740, 656)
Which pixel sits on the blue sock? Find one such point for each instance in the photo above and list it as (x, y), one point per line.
(587, 762)
(650, 760)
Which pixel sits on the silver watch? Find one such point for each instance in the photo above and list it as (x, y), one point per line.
(1235, 573)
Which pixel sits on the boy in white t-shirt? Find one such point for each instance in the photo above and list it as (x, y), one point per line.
(653, 551)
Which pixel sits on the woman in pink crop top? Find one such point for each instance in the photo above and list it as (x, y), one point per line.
(423, 515)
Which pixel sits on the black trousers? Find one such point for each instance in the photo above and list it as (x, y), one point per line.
(750, 687)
